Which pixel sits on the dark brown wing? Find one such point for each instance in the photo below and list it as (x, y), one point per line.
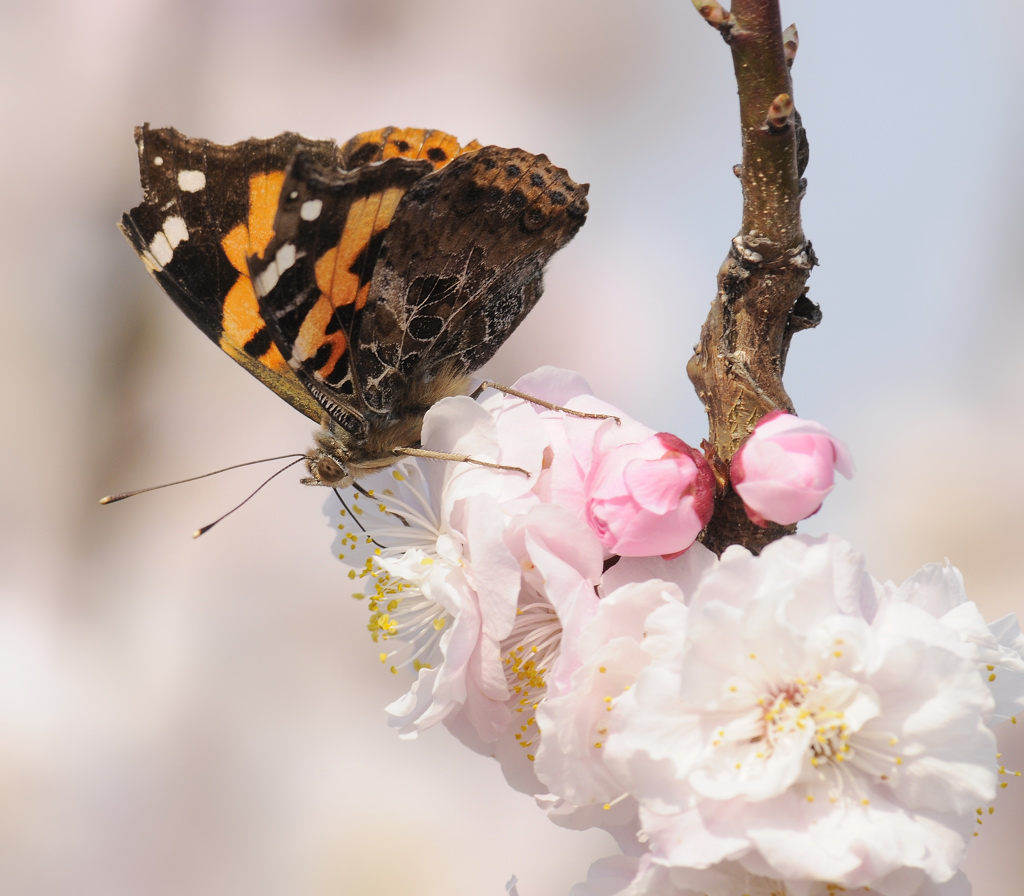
(459, 268)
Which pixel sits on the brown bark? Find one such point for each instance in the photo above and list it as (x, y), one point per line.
(761, 301)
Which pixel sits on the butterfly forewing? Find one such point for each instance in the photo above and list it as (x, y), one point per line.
(192, 229)
(312, 278)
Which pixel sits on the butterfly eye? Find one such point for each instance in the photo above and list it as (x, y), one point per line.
(329, 472)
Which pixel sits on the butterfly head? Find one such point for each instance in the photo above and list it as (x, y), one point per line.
(327, 462)
(339, 457)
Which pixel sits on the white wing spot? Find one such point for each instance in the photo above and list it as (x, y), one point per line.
(158, 160)
(176, 230)
(162, 245)
(294, 194)
(310, 209)
(285, 257)
(160, 249)
(191, 181)
(267, 280)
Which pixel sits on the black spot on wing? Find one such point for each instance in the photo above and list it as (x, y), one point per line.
(370, 366)
(321, 357)
(533, 219)
(467, 198)
(434, 295)
(333, 325)
(364, 155)
(425, 327)
(516, 200)
(362, 264)
(259, 344)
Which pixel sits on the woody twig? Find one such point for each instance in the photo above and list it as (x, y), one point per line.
(762, 295)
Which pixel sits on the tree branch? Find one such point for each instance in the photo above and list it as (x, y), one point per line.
(761, 301)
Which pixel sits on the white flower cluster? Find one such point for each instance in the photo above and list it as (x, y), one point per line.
(743, 725)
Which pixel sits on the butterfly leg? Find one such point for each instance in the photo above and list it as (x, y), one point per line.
(458, 458)
(487, 384)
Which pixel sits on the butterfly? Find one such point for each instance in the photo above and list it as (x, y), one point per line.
(362, 283)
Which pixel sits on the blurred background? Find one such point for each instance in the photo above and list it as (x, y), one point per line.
(182, 717)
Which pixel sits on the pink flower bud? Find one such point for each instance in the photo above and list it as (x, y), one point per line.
(651, 497)
(786, 467)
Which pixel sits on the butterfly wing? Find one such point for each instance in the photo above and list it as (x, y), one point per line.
(354, 281)
(312, 281)
(436, 147)
(313, 278)
(459, 268)
(205, 208)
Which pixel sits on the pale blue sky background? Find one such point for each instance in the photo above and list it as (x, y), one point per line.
(204, 718)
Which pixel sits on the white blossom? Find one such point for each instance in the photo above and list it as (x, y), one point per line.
(772, 725)
(997, 648)
(790, 731)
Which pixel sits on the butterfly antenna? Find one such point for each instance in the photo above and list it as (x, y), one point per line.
(110, 499)
(369, 495)
(209, 526)
(354, 517)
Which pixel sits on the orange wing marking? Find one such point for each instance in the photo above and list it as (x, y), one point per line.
(240, 318)
(337, 273)
(411, 143)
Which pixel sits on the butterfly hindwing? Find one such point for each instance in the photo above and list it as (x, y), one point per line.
(460, 267)
(436, 147)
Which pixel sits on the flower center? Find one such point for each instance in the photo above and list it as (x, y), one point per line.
(399, 527)
(792, 711)
(833, 715)
(535, 638)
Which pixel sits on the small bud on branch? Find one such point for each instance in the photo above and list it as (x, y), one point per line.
(779, 113)
(790, 43)
(715, 14)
